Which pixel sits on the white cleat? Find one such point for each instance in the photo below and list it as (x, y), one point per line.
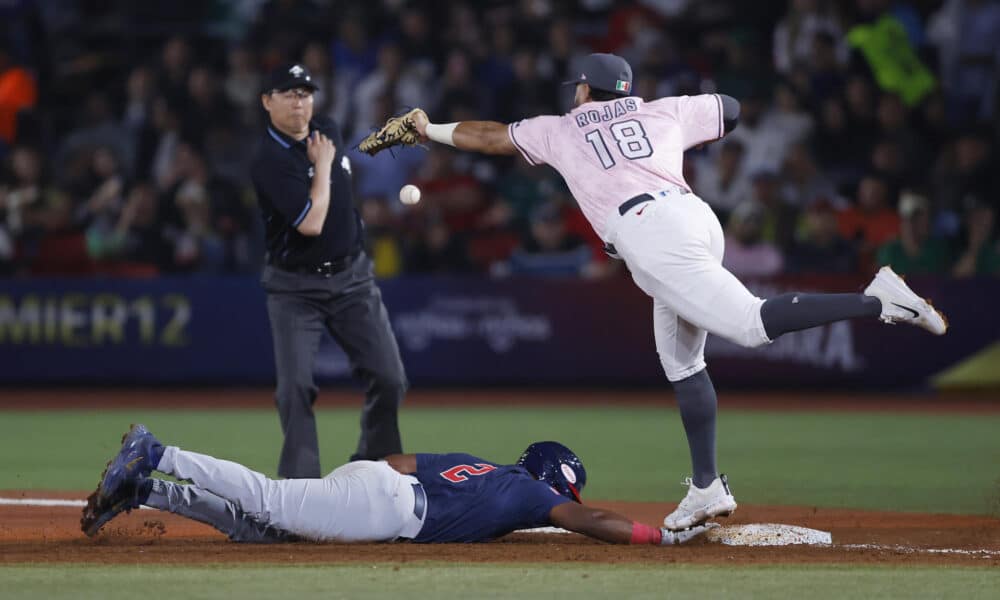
(701, 505)
(675, 538)
(901, 305)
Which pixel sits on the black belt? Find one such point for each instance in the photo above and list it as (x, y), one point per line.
(633, 202)
(627, 206)
(327, 269)
(419, 501)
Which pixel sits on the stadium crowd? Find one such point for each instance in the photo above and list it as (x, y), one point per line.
(869, 129)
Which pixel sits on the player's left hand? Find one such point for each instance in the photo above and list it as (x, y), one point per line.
(397, 131)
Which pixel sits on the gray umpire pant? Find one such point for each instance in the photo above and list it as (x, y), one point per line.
(349, 306)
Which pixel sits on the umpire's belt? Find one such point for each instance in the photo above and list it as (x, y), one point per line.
(419, 501)
(327, 269)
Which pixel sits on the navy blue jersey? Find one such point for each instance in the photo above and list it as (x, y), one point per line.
(474, 500)
(282, 178)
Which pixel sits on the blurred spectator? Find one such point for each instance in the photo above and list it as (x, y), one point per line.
(457, 89)
(981, 254)
(208, 106)
(789, 114)
(18, 92)
(140, 91)
(528, 94)
(525, 188)
(196, 246)
(458, 198)
(330, 98)
(860, 105)
(967, 167)
(549, 249)
(175, 62)
(242, 84)
(381, 242)
(722, 182)
(205, 216)
(405, 87)
(353, 53)
(158, 143)
(803, 180)
(778, 226)
(765, 146)
(825, 70)
(840, 150)
(747, 254)
(967, 36)
(134, 238)
(893, 120)
(869, 222)
(436, 249)
(795, 35)
(915, 252)
(99, 128)
(29, 207)
(99, 189)
(820, 247)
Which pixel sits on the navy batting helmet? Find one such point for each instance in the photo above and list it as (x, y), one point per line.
(557, 466)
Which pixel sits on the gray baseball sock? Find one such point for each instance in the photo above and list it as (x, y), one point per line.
(795, 310)
(203, 506)
(698, 405)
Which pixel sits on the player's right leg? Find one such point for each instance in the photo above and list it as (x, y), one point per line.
(296, 329)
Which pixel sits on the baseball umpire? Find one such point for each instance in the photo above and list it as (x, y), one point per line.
(421, 497)
(317, 276)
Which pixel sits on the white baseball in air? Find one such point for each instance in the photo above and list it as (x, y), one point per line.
(409, 194)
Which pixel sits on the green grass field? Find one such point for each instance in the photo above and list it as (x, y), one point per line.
(501, 581)
(909, 462)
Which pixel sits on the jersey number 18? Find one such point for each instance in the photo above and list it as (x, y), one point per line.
(631, 138)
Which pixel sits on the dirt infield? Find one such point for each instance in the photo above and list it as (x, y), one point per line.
(33, 534)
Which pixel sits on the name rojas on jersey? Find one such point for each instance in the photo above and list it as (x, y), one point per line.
(611, 110)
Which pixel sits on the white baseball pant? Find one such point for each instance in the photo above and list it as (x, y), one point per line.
(673, 247)
(362, 501)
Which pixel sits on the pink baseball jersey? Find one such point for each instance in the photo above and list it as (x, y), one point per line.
(611, 151)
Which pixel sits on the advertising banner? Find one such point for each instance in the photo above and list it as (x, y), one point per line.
(461, 331)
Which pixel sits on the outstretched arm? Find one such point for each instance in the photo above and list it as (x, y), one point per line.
(612, 527)
(487, 137)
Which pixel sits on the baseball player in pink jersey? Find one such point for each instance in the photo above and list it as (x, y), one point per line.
(622, 160)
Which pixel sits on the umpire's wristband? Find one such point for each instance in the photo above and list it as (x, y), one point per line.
(444, 134)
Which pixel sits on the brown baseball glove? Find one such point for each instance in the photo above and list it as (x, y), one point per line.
(397, 131)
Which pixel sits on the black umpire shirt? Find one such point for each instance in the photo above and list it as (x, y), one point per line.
(282, 177)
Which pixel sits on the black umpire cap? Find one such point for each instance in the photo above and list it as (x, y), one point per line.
(287, 77)
(606, 72)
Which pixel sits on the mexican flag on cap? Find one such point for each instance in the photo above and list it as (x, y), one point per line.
(622, 86)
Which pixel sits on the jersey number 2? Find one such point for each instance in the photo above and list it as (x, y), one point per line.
(631, 138)
(460, 473)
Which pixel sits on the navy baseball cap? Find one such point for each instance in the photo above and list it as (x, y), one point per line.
(289, 76)
(607, 72)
